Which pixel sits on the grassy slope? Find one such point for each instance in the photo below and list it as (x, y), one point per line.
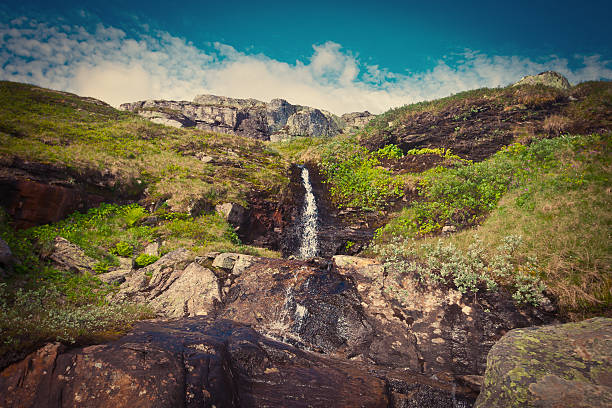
(53, 127)
(39, 303)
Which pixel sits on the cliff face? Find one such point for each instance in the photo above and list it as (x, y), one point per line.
(274, 120)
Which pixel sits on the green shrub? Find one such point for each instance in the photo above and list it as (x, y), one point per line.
(390, 152)
(122, 249)
(29, 317)
(355, 178)
(467, 271)
(143, 260)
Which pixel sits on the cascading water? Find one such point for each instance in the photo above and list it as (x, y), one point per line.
(309, 245)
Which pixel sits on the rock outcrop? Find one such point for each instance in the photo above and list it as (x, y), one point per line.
(347, 308)
(200, 362)
(37, 193)
(175, 286)
(381, 340)
(69, 257)
(357, 120)
(548, 78)
(562, 366)
(275, 120)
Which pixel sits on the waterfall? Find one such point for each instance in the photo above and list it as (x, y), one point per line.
(309, 244)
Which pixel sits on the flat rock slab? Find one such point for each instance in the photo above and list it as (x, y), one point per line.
(560, 366)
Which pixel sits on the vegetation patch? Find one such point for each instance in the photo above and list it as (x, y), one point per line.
(87, 136)
(554, 193)
(355, 176)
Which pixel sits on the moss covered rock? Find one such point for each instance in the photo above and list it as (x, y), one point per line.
(548, 78)
(568, 365)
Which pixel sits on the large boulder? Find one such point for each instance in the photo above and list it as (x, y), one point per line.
(174, 286)
(560, 366)
(199, 362)
(548, 78)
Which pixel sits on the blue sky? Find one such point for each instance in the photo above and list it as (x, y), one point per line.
(344, 56)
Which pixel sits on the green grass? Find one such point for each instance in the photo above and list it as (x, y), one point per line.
(83, 137)
(555, 194)
(63, 129)
(39, 303)
(355, 177)
(591, 106)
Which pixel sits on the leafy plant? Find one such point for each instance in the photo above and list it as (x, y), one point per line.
(355, 178)
(468, 271)
(143, 260)
(122, 249)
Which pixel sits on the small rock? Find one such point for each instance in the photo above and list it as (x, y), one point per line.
(225, 261)
(212, 255)
(152, 249)
(447, 229)
(66, 255)
(243, 262)
(115, 277)
(150, 221)
(232, 212)
(203, 157)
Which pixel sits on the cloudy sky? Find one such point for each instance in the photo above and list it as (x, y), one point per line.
(346, 56)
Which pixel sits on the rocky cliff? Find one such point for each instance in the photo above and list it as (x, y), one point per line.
(274, 120)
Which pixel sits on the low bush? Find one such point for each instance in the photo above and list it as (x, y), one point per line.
(143, 260)
(355, 177)
(467, 271)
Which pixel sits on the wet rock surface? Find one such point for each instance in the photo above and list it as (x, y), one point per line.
(205, 363)
(568, 365)
(276, 120)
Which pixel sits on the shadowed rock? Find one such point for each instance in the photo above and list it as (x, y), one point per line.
(200, 362)
(186, 364)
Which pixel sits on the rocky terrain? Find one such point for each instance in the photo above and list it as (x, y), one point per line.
(275, 120)
(176, 283)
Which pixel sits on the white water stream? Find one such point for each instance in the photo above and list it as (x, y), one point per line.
(309, 244)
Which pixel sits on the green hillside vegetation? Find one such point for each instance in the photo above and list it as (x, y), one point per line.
(529, 201)
(533, 216)
(59, 128)
(39, 302)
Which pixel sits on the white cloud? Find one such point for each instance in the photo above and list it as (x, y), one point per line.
(107, 64)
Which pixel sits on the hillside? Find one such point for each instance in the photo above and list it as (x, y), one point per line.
(470, 216)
